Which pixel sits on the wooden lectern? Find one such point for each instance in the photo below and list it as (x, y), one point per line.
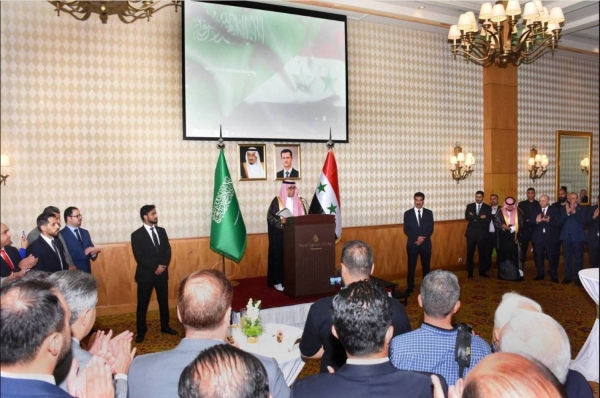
(308, 254)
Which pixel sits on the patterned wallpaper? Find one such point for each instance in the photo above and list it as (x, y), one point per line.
(556, 94)
(91, 116)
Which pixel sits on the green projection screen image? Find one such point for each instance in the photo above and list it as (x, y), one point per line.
(263, 72)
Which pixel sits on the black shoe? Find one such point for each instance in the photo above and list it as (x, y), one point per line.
(169, 330)
(401, 295)
(408, 291)
(484, 275)
(470, 276)
(539, 278)
(139, 338)
(577, 283)
(567, 281)
(554, 279)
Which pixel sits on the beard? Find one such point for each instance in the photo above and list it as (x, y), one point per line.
(562, 200)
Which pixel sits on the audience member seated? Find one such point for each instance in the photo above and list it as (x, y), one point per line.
(224, 371)
(506, 375)
(510, 302)
(317, 340)
(81, 294)
(204, 309)
(431, 348)
(539, 336)
(362, 319)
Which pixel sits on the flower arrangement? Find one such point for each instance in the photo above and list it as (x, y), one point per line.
(251, 324)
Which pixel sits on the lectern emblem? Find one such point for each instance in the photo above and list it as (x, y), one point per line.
(315, 238)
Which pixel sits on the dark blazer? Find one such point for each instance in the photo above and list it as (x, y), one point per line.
(411, 225)
(592, 232)
(478, 227)
(146, 256)
(48, 260)
(528, 208)
(15, 257)
(552, 227)
(360, 381)
(77, 249)
(10, 388)
(572, 225)
(293, 174)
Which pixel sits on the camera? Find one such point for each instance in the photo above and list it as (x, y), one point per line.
(335, 280)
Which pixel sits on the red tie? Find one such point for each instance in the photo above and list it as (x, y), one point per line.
(7, 259)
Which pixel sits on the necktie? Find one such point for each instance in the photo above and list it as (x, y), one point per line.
(78, 236)
(478, 206)
(57, 253)
(544, 212)
(419, 211)
(7, 259)
(287, 174)
(154, 238)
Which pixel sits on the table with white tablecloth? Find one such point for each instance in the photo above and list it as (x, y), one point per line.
(286, 352)
(587, 362)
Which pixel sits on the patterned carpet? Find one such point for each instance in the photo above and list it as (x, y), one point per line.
(571, 306)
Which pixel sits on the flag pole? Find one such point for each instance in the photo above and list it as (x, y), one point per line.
(221, 146)
(330, 143)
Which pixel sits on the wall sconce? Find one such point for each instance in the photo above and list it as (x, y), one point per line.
(585, 165)
(4, 164)
(460, 164)
(538, 164)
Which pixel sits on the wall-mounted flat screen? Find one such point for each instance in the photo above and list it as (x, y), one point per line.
(263, 72)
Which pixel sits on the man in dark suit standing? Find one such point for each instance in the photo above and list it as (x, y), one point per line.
(362, 318)
(527, 207)
(491, 241)
(47, 248)
(152, 252)
(418, 227)
(545, 223)
(78, 240)
(288, 171)
(572, 236)
(11, 264)
(478, 215)
(592, 233)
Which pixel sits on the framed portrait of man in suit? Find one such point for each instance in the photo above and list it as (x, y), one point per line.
(253, 162)
(287, 162)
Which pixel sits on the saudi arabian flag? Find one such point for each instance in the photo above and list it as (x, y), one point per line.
(327, 195)
(227, 229)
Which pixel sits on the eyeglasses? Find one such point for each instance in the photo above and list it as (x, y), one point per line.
(77, 216)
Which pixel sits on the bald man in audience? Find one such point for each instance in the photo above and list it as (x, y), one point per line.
(536, 335)
(204, 309)
(224, 371)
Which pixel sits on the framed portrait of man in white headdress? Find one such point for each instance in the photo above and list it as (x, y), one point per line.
(287, 162)
(253, 162)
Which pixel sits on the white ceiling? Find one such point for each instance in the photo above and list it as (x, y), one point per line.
(579, 34)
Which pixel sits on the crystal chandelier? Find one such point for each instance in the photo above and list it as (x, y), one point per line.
(500, 40)
(127, 11)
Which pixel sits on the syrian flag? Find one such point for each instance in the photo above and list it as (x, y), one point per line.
(327, 195)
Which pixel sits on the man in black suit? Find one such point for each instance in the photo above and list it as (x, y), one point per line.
(11, 264)
(545, 224)
(592, 236)
(362, 318)
(152, 252)
(288, 171)
(527, 207)
(478, 215)
(418, 227)
(491, 241)
(48, 248)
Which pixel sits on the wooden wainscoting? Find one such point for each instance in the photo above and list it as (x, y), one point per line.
(115, 267)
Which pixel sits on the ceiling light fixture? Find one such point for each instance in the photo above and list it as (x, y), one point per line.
(500, 40)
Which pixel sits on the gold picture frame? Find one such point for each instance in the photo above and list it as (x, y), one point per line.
(249, 170)
(285, 152)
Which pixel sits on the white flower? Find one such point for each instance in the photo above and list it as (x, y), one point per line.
(253, 311)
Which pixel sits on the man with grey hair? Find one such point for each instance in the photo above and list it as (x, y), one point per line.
(510, 302)
(538, 336)
(431, 348)
(545, 231)
(80, 291)
(317, 339)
